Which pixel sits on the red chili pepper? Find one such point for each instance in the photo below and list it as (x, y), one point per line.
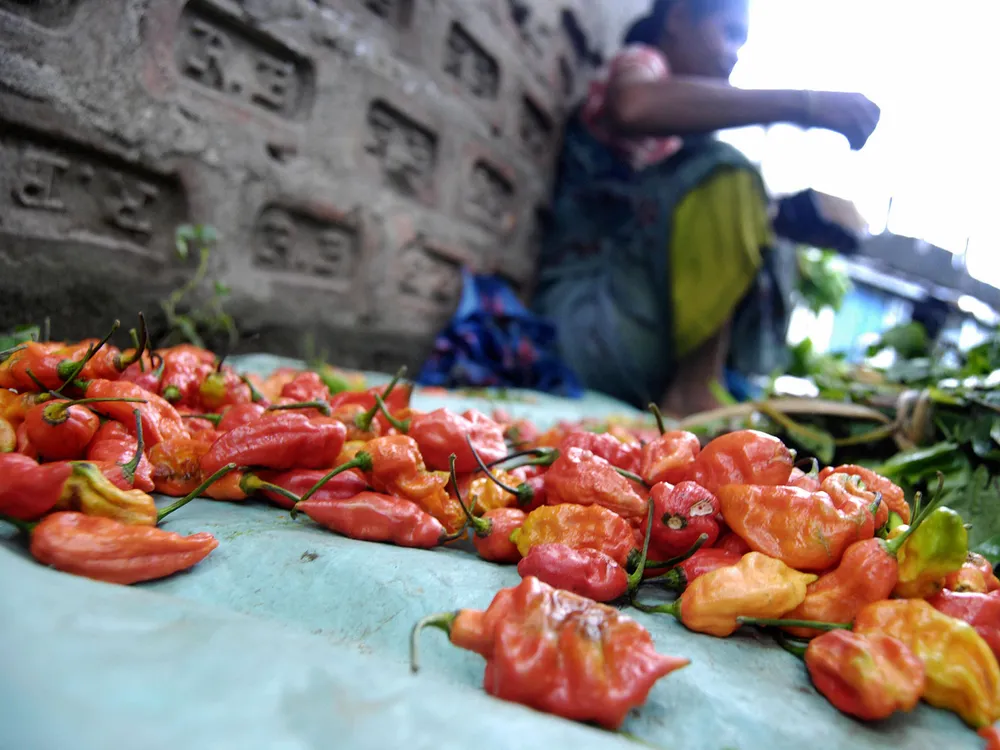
(802, 480)
(743, 457)
(115, 450)
(892, 495)
(733, 542)
(869, 676)
(299, 481)
(587, 572)
(442, 433)
(306, 386)
(61, 430)
(623, 455)
(681, 515)
(41, 359)
(184, 369)
(111, 551)
(29, 490)
(160, 420)
(976, 574)
(108, 362)
(223, 388)
(669, 458)
(239, 415)
(981, 611)
(579, 477)
(397, 468)
(847, 491)
(278, 441)
(491, 532)
(557, 652)
(146, 375)
(177, 465)
(701, 562)
(373, 517)
(992, 737)
(24, 445)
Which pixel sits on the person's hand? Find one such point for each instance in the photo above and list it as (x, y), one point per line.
(852, 115)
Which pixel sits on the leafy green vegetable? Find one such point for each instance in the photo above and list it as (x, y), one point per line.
(821, 282)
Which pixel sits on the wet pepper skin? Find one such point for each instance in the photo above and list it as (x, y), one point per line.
(577, 526)
(892, 494)
(669, 458)
(743, 457)
(562, 653)
(107, 550)
(373, 517)
(398, 469)
(805, 530)
(867, 676)
(586, 572)
(623, 455)
(962, 673)
(981, 611)
(580, 477)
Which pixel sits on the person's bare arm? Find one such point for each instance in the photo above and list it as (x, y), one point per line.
(687, 105)
(690, 393)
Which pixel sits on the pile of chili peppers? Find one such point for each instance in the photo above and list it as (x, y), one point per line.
(879, 595)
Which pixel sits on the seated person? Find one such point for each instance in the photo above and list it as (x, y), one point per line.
(658, 230)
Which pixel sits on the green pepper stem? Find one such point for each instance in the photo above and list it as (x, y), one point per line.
(893, 545)
(631, 476)
(873, 508)
(524, 492)
(364, 421)
(673, 561)
(671, 608)
(779, 623)
(91, 351)
(25, 527)
(361, 461)
(161, 514)
(519, 454)
(793, 647)
(82, 401)
(123, 362)
(172, 394)
(158, 371)
(658, 416)
(813, 465)
(8, 353)
(402, 426)
(251, 483)
(481, 526)
(213, 418)
(129, 469)
(41, 386)
(322, 406)
(635, 577)
(441, 621)
(255, 395)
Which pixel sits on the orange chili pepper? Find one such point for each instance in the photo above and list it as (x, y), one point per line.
(803, 529)
(892, 495)
(578, 526)
(557, 652)
(743, 457)
(580, 477)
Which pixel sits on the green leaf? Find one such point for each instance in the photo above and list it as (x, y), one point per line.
(221, 290)
(978, 501)
(920, 460)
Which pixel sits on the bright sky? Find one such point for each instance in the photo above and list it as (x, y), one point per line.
(933, 69)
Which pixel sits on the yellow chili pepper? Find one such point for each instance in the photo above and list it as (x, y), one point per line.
(484, 495)
(758, 586)
(938, 547)
(88, 491)
(962, 672)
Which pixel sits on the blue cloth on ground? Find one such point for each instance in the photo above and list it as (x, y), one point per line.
(494, 341)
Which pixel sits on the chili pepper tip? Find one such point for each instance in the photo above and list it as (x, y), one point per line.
(441, 621)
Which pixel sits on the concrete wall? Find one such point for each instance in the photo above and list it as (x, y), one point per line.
(352, 154)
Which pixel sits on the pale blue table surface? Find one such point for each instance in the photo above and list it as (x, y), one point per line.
(291, 637)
